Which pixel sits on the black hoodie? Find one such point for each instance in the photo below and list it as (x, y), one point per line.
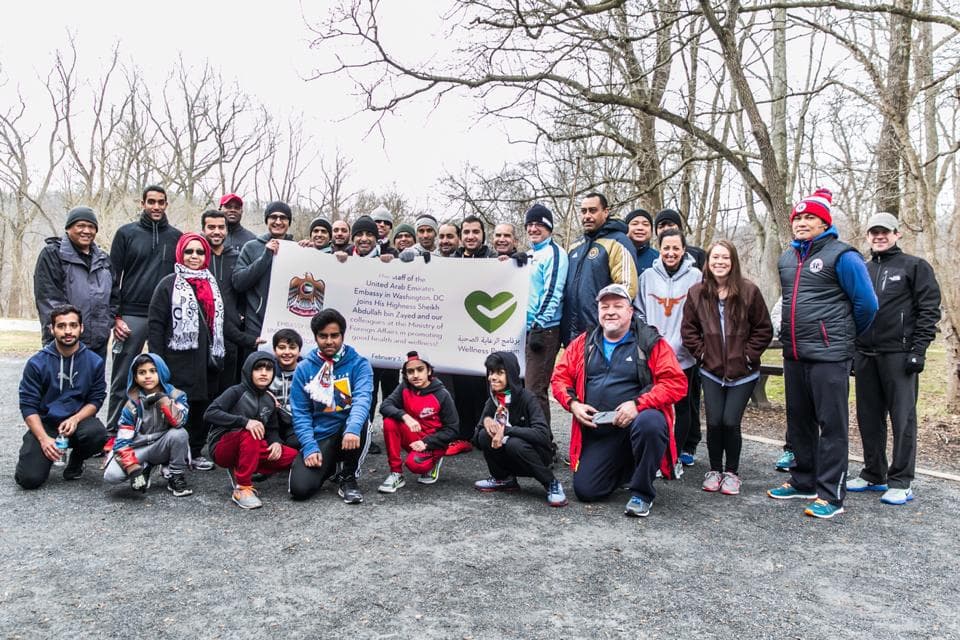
(243, 402)
(142, 253)
(525, 419)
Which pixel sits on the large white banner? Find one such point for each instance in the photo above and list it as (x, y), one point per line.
(455, 312)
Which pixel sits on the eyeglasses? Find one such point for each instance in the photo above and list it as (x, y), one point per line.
(276, 218)
(194, 252)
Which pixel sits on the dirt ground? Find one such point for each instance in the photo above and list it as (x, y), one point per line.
(82, 560)
(938, 440)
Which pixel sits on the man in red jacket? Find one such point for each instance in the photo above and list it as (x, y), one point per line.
(619, 381)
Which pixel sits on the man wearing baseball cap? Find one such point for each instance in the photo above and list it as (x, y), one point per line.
(237, 235)
(827, 302)
(624, 369)
(72, 270)
(890, 356)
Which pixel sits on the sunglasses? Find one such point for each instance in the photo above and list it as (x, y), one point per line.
(194, 252)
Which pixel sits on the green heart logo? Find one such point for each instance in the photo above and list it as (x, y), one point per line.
(480, 305)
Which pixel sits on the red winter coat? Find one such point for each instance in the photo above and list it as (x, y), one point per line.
(669, 386)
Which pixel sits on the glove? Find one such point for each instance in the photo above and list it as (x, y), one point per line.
(535, 339)
(914, 363)
(408, 254)
(426, 257)
(520, 258)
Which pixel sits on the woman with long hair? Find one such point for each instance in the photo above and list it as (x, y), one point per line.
(661, 296)
(187, 328)
(726, 327)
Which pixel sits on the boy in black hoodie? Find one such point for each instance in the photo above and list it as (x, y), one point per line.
(513, 434)
(244, 435)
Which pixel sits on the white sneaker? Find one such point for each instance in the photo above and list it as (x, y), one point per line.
(201, 464)
(392, 482)
(897, 496)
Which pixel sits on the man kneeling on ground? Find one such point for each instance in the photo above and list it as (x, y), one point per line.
(619, 382)
(61, 391)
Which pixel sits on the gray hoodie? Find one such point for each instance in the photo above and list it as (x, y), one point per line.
(660, 300)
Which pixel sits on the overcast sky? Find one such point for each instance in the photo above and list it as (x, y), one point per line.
(265, 47)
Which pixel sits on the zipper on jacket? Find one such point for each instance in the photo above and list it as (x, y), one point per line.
(793, 305)
(903, 332)
(823, 332)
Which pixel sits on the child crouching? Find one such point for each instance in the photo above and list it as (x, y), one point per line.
(513, 433)
(150, 430)
(419, 417)
(244, 435)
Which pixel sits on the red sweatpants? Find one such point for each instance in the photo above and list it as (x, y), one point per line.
(397, 436)
(243, 454)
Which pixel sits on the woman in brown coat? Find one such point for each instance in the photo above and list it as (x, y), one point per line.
(726, 327)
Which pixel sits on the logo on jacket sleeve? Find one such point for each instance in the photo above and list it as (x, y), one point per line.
(816, 265)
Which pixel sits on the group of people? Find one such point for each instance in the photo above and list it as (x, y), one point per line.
(644, 332)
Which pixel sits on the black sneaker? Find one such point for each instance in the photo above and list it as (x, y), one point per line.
(138, 480)
(177, 485)
(349, 491)
(74, 468)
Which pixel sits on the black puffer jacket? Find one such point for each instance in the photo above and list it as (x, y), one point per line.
(525, 415)
(243, 402)
(909, 298)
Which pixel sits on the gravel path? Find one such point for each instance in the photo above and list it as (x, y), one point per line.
(80, 560)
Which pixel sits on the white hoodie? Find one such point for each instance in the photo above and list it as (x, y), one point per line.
(660, 300)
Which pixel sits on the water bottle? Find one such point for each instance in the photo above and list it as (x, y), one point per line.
(63, 443)
(117, 346)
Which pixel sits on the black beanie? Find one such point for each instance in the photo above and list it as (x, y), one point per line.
(636, 213)
(278, 207)
(669, 215)
(320, 221)
(84, 214)
(539, 214)
(363, 223)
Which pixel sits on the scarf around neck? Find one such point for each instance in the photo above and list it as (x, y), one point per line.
(320, 387)
(188, 305)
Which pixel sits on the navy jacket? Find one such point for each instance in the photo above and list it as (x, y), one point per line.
(55, 387)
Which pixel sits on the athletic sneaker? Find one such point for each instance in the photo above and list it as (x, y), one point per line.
(897, 496)
(687, 459)
(730, 486)
(177, 485)
(712, 480)
(393, 482)
(138, 480)
(786, 491)
(786, 461)
(822, 509)
(349, 491)
(637, 507)
(74, 468)
(430, 477)
(457, 447)
(201, 464)
(678, 470)
(492, 484)
(555, 495)
(858, 485)
(246, 498)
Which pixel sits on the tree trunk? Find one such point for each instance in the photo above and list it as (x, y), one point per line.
(896, 109)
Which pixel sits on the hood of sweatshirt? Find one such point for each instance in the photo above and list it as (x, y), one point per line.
(512, 367)
(163, 372)
(68, 372)
(246, 376)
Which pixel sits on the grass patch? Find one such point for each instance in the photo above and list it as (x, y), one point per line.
(931, 403)
(19, 342)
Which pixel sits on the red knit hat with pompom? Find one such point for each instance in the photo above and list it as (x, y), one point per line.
(817, 204)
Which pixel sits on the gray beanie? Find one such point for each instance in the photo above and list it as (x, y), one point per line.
(84, 214)
(382, 214)
(426, 220)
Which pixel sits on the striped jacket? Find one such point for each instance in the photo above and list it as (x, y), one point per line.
(547, 279)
